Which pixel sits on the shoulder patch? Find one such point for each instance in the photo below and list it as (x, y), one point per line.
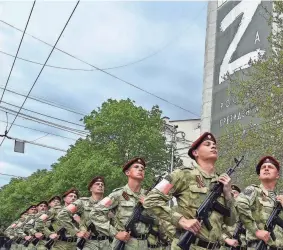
(249, 190)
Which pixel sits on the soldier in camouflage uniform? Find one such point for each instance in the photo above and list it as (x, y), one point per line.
(69, 241)
(83, 206)
(190, 186)
(122, 202)
(32, 230)
(228, 231)
(44, 221)
(10, 232)
(31, 211)
(256, 203)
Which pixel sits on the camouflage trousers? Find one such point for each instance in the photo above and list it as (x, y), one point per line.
(63, 245)
(40, 245)
(133, 244)
(97, 245)
(192, 247)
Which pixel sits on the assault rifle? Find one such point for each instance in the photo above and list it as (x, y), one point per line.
(82, 241)
(237, 233)
(272, 221)
(209, 204)
(61, 234)
(136, 217)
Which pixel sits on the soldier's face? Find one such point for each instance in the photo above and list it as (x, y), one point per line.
(32, 211)
(235, 193)
(268, 172)
(42, 207)
(70, 198)
(206, 150)
(97, 187)
(136, 171)
(54, 203)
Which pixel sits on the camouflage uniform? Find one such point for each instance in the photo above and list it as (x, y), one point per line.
(83, 207)
(11, 234)
(190, 185)
(228, 232)
(28, 229)
(255, 205)
(122, 201)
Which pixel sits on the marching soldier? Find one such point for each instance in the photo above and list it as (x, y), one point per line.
(83, 207)
(227, 235)
(69, 241)
(122, 201)
(190, 185)
(43, 223)
(256, 203)
(33, 230)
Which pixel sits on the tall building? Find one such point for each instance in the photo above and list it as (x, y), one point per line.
(237, 31)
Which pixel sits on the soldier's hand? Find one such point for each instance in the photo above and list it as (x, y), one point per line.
(227, 189)
(192, 225)
(28, 237)
(38, 235)
(77, 218)
(232, 242)
(53, 236)
(263, 235)
(123, 236)
(142, 199)
(280, 199)
(82, 234)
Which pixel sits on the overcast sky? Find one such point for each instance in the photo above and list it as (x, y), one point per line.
(105, 34)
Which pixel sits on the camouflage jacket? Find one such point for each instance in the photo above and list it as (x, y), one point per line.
(122, 202)
(10, 230)
(190, 186)
(255, 205)
(81, 207)
(46, 222)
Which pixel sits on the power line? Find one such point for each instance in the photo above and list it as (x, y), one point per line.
(48, 123)
(41, 131)
(6, 132)
(10, 175)
(128, 83)
(45, 101)
(17, 51)
(108, 68)
(49, 116)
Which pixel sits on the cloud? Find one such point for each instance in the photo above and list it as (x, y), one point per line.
(105, 34)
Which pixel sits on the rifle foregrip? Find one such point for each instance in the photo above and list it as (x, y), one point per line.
(186, 240)
(81, 243)
(120, 245)
(261, 246)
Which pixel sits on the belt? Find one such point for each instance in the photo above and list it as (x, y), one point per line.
(153, 246)
(69, 239)
(141, 237)
(99, 237)
(275, 248)
(206, 244)
(252, 243)
(238, 247)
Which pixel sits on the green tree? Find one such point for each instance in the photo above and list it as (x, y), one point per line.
(259, 91)
(118, 131)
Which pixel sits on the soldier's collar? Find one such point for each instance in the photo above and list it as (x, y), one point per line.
(264, 190)
(130, 192)
(205, 175)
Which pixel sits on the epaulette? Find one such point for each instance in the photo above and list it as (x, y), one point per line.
(84, 198)
(190, 167)
(117, 189)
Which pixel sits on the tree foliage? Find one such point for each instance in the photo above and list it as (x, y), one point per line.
(118, 131)
(260, 89)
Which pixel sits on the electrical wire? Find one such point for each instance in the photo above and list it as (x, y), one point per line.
(41, 131)
(41, 70)
(49, 116)
(17, 51)
(48, 123)
(48, 102)
(108, 68)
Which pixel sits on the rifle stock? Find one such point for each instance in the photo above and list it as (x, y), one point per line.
(135, 217)
(209, 204)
